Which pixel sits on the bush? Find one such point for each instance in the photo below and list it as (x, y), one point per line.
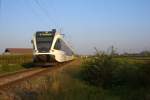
(103, 70)
(98, 70)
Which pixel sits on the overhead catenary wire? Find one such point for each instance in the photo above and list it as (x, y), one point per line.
(46, 13)
(34, 11)
(41, 7)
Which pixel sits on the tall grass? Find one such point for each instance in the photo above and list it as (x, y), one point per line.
(11, 63)
(15, 59)
(100, 77)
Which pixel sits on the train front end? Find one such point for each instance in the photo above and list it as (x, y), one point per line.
(42, 42)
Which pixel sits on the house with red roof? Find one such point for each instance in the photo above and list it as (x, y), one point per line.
(18, 51)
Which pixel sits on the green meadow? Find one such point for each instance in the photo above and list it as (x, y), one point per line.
(12, 63)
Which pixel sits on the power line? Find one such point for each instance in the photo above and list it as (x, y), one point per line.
(47, 14)
(44, 10)
(34, 12)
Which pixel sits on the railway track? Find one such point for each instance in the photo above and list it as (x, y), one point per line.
(12, 78)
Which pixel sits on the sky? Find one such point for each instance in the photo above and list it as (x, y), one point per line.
(125, 24)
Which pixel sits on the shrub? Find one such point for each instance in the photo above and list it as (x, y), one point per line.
(98, 70)
(103, 70)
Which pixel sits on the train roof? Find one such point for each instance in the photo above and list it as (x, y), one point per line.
(52, 32)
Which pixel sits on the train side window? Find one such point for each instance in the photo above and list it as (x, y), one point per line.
(65, 48)
(57, 45)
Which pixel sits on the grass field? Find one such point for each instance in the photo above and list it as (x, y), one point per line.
(96, 78)
(61, 84)
(134, 59)
(11, 63)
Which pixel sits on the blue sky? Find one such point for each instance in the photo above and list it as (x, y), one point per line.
(85, 23)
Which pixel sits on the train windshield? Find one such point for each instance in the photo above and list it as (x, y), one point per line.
(44, 41)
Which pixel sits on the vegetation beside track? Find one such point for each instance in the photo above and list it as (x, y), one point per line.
(101, 77)
(60, 84)
(122, 78)
(11, 63)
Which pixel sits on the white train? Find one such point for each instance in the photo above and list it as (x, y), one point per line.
(49, 46)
